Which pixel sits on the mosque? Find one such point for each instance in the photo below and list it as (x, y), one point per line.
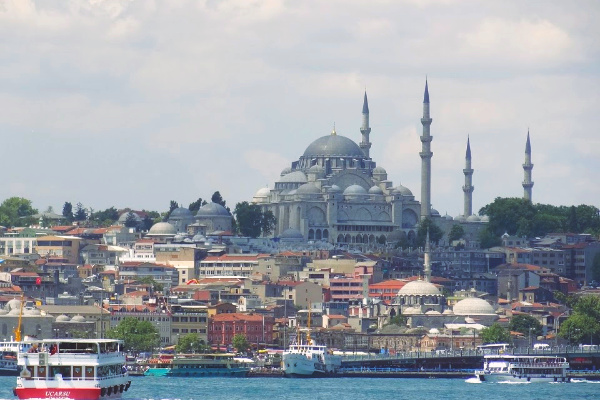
(336, 193)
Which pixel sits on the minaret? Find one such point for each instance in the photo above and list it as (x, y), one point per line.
(365, 145)
(427, 259)
(468, 188)
(426, 155)
(527, 167)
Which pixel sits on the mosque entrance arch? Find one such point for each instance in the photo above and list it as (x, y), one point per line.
(311, 234)
(325, 234)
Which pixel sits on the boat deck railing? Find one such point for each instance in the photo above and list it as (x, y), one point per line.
(71, 379)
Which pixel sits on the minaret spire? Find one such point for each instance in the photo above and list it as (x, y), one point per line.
(426, 155)
(527, 167)
(365, 129)
(427, 259)
(468, 187)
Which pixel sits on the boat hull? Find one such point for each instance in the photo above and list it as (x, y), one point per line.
(66, 393)
(298, 365)
(501, 377)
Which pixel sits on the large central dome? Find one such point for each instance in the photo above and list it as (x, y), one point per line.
(333, 145)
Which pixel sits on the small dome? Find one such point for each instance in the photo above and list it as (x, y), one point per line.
(178, 238)
(198, 239)
(448, 217)
(308, 188)
(63, 318)
(123, 217)
(32, 311)
(435, 212)
(473, 218)
(212, 210)
(379, 170)
(291, 233)
(3, 311)
(460, 218)
(485, 218)
(14, 311)
(473, 306)
(419, 287)
(404, 191)
(181, 212)
(355, 190)
(412, 311)
(294, 177)
(286, 171)
(433, 312)
(434, 331)
(162, 228)
(316, 169)
(335, 189)
(375, 190)
(263, 192)
(13, 304)
(448, 311)
(78, 318)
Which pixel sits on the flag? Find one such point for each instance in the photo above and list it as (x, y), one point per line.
(38, 281)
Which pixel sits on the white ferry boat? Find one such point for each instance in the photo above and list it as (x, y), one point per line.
(304, 360)
(523, 368)
(74, 369)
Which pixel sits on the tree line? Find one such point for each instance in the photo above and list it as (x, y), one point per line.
(248, 219)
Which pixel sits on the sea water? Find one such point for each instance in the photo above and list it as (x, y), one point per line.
(161, 388)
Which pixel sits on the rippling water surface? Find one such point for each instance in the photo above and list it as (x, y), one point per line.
(160, 388)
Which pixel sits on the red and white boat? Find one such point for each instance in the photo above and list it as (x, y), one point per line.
(72, 369)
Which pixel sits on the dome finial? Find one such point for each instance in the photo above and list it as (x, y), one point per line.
(333, 132)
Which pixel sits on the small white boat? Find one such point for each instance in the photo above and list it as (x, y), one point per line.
(523, 368)
(75, 369)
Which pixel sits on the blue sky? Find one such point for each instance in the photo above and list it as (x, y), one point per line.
(136, 103)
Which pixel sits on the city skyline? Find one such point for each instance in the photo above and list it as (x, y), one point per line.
(134, 104)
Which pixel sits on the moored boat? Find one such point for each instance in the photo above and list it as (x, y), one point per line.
(523, 368)
(75, 369)
(199, 365)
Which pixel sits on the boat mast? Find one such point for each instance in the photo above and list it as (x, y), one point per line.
(308, 339)
(17, 330)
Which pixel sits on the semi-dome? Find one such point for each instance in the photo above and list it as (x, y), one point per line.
(211, 210)
(403, 190)
(308, 188)
(473, 218)
(291, 233)
(433, 312)
(294, 177)
(163, 228)
(333, 145)
(3, 311)
(63, 318)
(354, 190)
(473, 306)
(181, 212)
(375, 190)
(286, 171)
(419, 288)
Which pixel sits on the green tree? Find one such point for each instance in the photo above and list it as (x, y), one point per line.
(106, 217)
(456, 232)
(217, 198)
(147, 223)
(495, 334)
(435, 233)
(588, 305)
(67, 212)
(190, 343)
(17, 211)
(523, 323)
(240, 342)
(130, 220)
(195, 206)
(267, 223)
(137, 335)
(399, 320)
(80, 213)
(249, 218)
(488, 239)
(508, 215)
(158, 287)
(172, 206)
(580, 328)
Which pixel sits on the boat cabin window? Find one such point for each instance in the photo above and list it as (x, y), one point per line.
(89, 372)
